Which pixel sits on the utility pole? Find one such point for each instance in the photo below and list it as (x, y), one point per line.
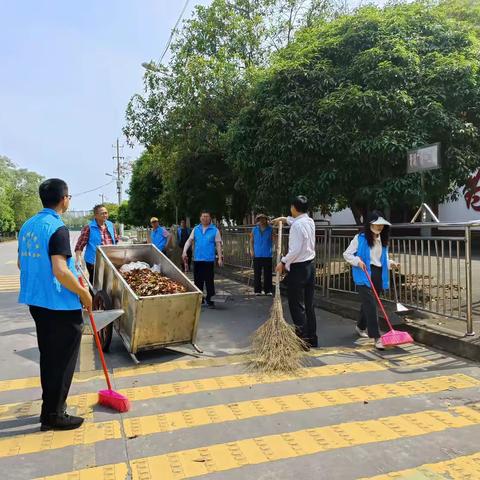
(102, 196)
(119, 173)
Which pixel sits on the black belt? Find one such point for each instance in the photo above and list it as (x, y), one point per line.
(302, 263)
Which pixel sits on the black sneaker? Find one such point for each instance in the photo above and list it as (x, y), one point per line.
(211, 305)
(61, 422)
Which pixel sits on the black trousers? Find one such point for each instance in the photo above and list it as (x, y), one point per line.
(59, 333)
(91, 269)
(301, 289)
(368, 311)
(203, 274)
(262, 264)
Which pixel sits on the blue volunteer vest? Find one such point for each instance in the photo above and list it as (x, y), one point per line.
(38, 285)
(179, 233)
(363, 252)
(158, 239)
(262, 242)
(204, 243)
(95, 239)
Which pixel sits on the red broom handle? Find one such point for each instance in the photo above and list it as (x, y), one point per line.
(97, 341)
(378, 299)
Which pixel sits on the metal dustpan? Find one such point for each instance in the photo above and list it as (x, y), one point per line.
(400, 308)
(103, 317)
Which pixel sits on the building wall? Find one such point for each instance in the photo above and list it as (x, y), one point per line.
(465, 209)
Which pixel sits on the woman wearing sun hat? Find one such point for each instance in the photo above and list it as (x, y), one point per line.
(368, 251)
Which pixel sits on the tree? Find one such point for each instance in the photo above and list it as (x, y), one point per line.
(146, 191)
(187, 106)
(19, 198)
(335, 114)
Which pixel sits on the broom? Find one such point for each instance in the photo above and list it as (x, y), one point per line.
(108, 398)
(393, 337)
(276, 347)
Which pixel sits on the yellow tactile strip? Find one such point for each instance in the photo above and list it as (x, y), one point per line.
(460, 468)
(88, 433)
(253, 451)
(214, 414)
(82, 377)
(85, 402)
(117, 471)
(228, 456)
(96, 432)
(9, 283)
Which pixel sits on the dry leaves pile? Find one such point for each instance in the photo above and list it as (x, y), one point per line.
(146, 283)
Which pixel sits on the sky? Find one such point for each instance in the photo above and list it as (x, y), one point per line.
(68, 70)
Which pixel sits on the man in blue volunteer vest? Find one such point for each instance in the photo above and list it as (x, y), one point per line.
(261, 250)
(159, 235)
(50, 287)
(206, 239)
(100, 231)
(183, 233)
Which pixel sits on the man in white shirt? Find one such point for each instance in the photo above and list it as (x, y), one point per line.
(299, 262)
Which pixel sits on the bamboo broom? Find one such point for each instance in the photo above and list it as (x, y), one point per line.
(276, 347)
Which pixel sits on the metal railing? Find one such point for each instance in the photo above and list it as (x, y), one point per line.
(436, 273)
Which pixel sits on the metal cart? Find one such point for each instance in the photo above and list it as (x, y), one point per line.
(147, 323)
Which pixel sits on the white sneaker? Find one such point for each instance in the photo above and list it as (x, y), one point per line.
(379, 344)
(361, 333)
(258, 294)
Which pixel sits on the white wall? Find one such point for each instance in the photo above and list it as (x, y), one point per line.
(343, 217)
(457, 211)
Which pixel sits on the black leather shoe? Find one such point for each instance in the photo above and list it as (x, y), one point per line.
(61, 422)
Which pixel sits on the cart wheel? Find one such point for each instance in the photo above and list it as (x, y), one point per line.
(101, 301)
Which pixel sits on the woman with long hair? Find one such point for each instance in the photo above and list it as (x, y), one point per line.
(368, 252)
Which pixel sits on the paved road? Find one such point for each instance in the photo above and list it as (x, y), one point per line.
(351, 413)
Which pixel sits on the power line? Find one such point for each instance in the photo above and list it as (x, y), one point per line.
(92, 190)
(172, 33)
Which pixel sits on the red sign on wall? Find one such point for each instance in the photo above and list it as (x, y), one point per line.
(471, 192)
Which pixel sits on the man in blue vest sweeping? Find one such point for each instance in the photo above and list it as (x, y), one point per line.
(261, 248)
(206, 239)
(100, 231)
(159, 236)
(50, 287)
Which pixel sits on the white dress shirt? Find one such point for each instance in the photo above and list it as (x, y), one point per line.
(375, 253)
(301, 240)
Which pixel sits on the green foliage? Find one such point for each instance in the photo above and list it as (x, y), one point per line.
(335, 114)
(146, 191)
(18, 195)
(187, 106)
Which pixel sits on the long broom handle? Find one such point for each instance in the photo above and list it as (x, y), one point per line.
(97, 341)
(279, 255)
(374, 290)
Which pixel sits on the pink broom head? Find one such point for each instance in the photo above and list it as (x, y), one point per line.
(395, 337)
(114, 400)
